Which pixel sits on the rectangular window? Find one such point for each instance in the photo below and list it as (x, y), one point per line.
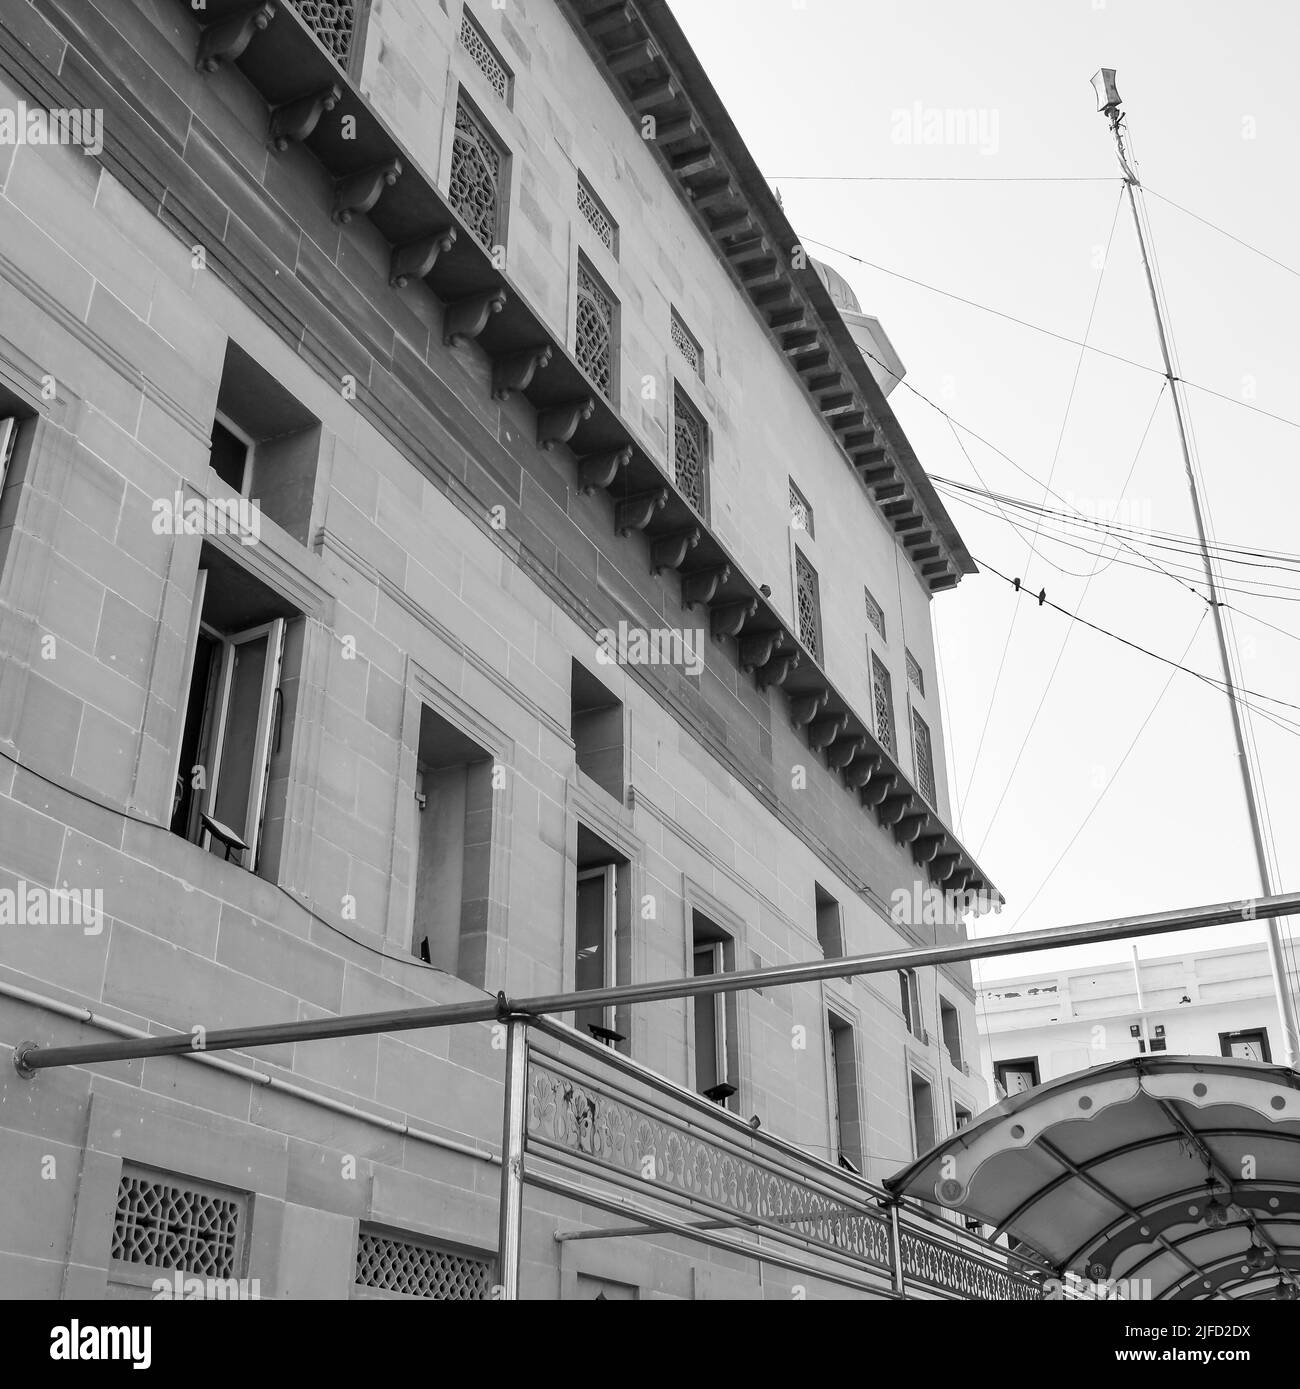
(830, 927)
(477, 186)
(596, 217)
(596, 951)
(876, 615)
(914, 673)
(596, 725)
(265, 445)
(801, 513)
(808, 605)
(923, 1129)
(924, 758)
(961, 1116)
(1251, 1045)
(882, 694)
(950, 1026)
(687, 344)
(411, 1266)
(235, 739)
(163, 1221)
(1015, 1077)
(910, 999)
(453, 839)
(847, 1123)
(8, 438)
(716, 1039)
(690, 452)
(596, 331)
(486, 58)
(335, 24)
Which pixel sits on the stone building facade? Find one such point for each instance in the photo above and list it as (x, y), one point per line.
(450, 545)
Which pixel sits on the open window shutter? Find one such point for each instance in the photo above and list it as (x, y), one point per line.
(251, 680)
(8, 437)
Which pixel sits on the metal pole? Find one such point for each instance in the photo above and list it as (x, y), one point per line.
(510, 1226)
(1285, 1003)
(896, 1249)
(29, 1058)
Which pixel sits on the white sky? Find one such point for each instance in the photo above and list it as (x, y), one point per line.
(1214, 109)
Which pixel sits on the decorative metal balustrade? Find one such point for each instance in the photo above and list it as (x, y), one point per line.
(334, 22)
(680, 1163)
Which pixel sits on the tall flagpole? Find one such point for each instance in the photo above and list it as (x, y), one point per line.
(1109, 103)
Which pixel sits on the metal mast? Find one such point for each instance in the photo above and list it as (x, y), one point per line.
(1109, 103)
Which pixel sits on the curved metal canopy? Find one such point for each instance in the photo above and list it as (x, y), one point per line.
(1165, 1169)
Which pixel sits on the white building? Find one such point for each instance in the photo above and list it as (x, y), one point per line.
(1038, 1027)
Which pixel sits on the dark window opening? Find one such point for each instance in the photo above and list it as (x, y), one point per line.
(910, 999)
(1250, 1045)
(717, 1040)
(923, 1115)
(603, 936)
(265, 445)
(1015, 1077)
(961, 1116)
(830, 926)
(847, 1127)
(453, 798)
(232, 771)
(596, 724)
(950, 1026)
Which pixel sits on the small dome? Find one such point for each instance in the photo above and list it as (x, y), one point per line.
(838, 288)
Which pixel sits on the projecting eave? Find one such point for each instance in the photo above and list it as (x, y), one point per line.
(649, 63)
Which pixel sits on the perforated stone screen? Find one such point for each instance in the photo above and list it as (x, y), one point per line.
(924, 757)
(690, 451)
(685, 343)
(415, 1269)
(914, 672)
(175, 1224)
(876, 615)
(600, 220)
(810, 632)
(334, 22)
(475, 42)
(882, 692)
(594, 344)
(475, 187)
(801, 512)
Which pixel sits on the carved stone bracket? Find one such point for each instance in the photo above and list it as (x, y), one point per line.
(669, 551)
(893, 808)
(226, 40)
(757, 650)
(841, 753)
(294, 122)
(703, 584)
(956, 881)
(926, 848)
(560, 423)
(909, 828)
(355, 196)
(944, 866)
(416, 260)
(805, 708)
(599, 470)
(860, 772)
(777, 671)
(880, 785)
(825, 731)
(726, 619)
(635, 513)
(466, 318)
(515, 371)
